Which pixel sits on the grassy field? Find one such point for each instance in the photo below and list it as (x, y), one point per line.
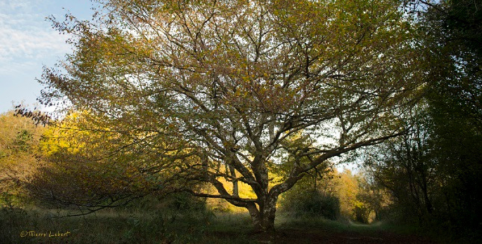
(46, 226)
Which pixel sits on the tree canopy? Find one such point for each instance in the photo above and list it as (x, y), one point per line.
(256, 86)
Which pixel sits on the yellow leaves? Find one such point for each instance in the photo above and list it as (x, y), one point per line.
(65, 136)
(19, 139)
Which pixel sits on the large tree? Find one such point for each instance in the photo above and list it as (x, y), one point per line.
(253, 86)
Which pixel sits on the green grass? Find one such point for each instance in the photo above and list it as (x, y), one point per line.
(122, 227)
(137, 226)
(337, 226)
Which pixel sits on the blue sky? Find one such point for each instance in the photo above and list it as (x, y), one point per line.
(27, 42)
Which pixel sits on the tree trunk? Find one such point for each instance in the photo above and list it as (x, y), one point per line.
(263, 214)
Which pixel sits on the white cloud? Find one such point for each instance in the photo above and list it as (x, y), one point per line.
(27, 42)
(12, 5)
(25, 36)
(31, 44)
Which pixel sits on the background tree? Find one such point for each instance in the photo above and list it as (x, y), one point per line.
(405, 168)
(454, 101)
(372, 200)
(434, 171)
(229, 83)
(19, 139)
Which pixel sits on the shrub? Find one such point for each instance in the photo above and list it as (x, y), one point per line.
(313, 203)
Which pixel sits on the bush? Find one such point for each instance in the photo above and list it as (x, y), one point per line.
(313, 203)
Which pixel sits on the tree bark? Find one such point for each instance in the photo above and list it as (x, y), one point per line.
(263, 214)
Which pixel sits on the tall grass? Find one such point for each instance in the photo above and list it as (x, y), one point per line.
(161, 226)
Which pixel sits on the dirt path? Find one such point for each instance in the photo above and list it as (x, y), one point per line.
(312, 234)
(321, 236)
(316, 230)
